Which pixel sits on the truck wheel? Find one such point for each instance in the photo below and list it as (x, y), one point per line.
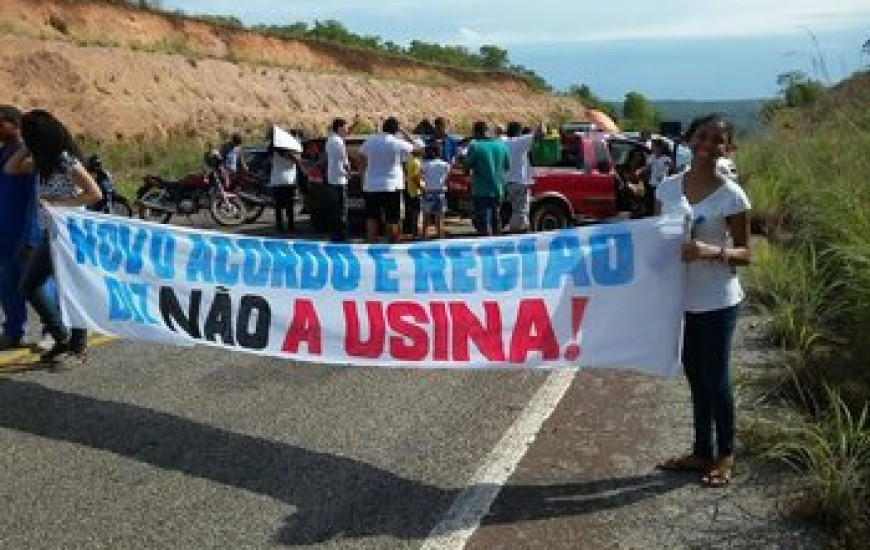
(550, 216)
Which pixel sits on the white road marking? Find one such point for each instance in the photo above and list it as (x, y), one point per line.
(464, 517)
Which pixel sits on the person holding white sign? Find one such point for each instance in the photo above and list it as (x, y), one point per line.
(719, 241)
(284, 177)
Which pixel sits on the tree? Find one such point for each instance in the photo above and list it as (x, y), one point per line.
(493, 57)
(639, 112)
(584, 95)
(797, 89)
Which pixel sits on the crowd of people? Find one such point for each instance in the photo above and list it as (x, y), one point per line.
(41, 167)
(404, 178)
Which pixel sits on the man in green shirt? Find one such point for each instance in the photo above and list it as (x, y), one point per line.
(488, 161)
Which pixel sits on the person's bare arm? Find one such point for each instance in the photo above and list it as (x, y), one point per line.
(739, 253)
(90, 191)
(19, 164)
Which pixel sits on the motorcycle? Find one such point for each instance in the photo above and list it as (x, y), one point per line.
(160, 199)
(255, 196)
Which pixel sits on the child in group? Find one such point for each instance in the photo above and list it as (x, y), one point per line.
(435, 172)
(413, 191)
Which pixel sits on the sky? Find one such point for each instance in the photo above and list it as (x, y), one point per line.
(664, 49)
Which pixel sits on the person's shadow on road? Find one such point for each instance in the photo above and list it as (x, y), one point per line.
(334, 496)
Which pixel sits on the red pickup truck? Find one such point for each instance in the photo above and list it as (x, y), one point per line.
(579, 187)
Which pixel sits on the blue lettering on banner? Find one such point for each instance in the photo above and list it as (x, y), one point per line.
(462, 262)
(256, 265)
(110, 256)
(108, 245)
(84, 240)
(199, 261)
(226, 272)
(132, 248)
(284, 264)
(128, 302)
(385, 265)
(500, 266)
(429, 268)
(529, 263)
(162, 253)
(346, 270)
(314, 271)
(565, 259)
(619, 247)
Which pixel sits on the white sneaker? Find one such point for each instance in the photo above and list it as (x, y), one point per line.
(45, 344)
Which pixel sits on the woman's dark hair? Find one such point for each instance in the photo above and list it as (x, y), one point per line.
(707, 119)
(391, 125)
(432, 151)
(479, 129)
(46, 138)
(338, 124)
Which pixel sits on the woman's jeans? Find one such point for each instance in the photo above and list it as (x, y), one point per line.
(706, 358)
(33, 287)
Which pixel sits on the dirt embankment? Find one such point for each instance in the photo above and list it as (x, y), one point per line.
(115, 72)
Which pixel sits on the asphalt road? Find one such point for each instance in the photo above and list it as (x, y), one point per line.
(154, 447)
(148, 446)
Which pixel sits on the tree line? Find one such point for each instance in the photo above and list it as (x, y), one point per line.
(487, 57)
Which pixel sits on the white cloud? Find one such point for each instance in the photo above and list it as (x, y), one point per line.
(520, 22)
(742, 18)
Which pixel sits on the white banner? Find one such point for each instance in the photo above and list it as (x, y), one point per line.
(602, 296)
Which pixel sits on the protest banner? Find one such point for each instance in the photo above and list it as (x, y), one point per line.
(600, 296)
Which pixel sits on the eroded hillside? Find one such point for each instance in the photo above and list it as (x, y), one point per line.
(115, 72)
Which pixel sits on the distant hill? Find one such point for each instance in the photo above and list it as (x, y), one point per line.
(742, 113)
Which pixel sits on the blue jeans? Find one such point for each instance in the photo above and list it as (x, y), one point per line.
(12, 302)
(35, 288)
(707, 340)
(486, 215)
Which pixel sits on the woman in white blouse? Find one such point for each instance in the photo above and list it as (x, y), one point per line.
(719, 242)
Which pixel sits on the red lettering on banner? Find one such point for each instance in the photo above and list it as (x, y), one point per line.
(467, 327)
(353, 343)
(578, 310)
(446, 331)
(412, 344)
(533, 332)
(440, 332)
(304, 327)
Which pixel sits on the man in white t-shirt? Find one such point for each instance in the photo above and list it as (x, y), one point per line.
(337, 170)
(519, 175)
(383, 178)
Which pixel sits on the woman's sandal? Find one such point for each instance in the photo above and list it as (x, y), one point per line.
(719, 473)
(685, 463)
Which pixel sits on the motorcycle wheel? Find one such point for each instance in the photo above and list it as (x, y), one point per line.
(120, 206)
(151, 214)
(227, 210)
(253, 211)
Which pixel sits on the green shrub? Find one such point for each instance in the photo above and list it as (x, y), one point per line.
(794, 290)
(833, 450)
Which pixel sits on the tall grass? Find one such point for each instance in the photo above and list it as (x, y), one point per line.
(129, 161)
(810, 184)
(834, 451)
